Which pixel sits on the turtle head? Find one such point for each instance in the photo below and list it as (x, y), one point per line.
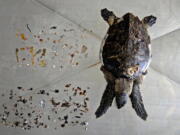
(149, 20)
(108, 16)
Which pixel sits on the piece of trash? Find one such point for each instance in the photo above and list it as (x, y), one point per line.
(54, 103)
(27, 25)
(42, 103)
(17, 57)
(23, 37)
(85, 124)
(83, 49)
(53, 27)
(42, 63)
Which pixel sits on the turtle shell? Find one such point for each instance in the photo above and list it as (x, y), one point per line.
(126, 45)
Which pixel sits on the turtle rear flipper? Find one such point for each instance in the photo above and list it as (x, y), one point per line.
(137, 102)
(149, 20)
(110, 17)
(106, 100)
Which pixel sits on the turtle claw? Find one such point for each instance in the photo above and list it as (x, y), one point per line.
(121, 100)
(106, 100)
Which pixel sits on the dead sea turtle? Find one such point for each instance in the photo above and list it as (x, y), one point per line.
(125, 54)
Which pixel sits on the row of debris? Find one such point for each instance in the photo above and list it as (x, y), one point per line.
(46, 45)
(32, 108)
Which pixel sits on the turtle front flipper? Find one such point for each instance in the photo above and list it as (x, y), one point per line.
(137, 102)
(106, 100)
